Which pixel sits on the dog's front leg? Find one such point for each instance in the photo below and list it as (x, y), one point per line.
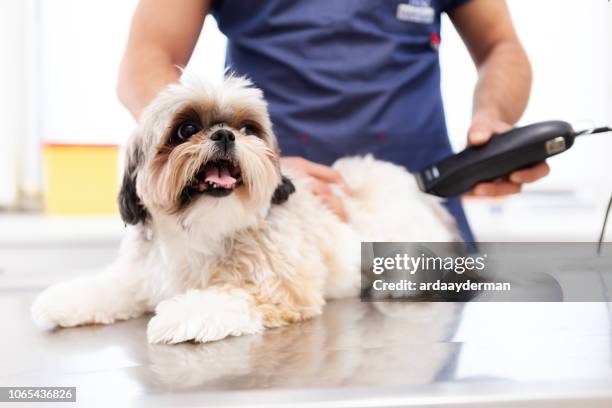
(99, 299)
(224, 310)
(205, 315)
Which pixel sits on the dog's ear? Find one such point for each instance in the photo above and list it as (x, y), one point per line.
(283, 191)
(130, 206)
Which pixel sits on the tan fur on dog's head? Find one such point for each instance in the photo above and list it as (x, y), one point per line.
(193, 140)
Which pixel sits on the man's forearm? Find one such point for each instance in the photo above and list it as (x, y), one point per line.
(504, 83)
(142, 76)
(163, 35)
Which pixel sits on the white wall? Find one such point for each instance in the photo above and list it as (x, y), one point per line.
(12, 15)
(82, 45)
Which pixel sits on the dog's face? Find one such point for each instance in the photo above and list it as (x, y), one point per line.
(203, 154)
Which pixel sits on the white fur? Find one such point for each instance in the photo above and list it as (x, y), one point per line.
(204, 315)
(225, 268)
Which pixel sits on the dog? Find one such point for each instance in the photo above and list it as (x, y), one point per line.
(222, 241)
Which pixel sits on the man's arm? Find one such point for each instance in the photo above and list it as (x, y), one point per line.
(504, 81)
(163, 35)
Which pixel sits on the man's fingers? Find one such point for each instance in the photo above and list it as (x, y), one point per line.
(513, 184)
(484, 128)
(530, 174)
(327, 175)
(320, 172)
(500, 127)
(323, 173)
(330, 200)
(478, 137)
(496, 189)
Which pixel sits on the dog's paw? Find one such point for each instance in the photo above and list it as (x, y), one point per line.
(204, 316)
(81, 301)
(60, 305)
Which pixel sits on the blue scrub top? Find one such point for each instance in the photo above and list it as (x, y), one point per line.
(346, 77)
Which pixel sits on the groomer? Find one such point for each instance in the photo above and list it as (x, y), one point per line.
(345, 77)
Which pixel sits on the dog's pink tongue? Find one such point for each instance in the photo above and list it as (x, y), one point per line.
(219, 175)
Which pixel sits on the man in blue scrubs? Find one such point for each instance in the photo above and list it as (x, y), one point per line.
(346, 77)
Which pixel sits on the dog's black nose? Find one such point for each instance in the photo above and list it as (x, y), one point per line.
(223, 136)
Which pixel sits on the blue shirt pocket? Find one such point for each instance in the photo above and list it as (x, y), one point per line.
(418, 18)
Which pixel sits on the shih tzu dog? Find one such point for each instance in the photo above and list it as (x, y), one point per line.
(224, 242)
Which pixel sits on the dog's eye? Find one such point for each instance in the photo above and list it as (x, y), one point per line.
(187, 129)
(248, 129)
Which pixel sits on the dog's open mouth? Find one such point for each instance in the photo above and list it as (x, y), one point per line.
(217, 178)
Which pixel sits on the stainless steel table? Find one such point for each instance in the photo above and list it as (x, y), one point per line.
(356, 354)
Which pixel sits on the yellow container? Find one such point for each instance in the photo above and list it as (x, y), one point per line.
(80, 179)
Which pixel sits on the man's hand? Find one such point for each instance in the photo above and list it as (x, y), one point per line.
(483, 128)
(323, 177)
